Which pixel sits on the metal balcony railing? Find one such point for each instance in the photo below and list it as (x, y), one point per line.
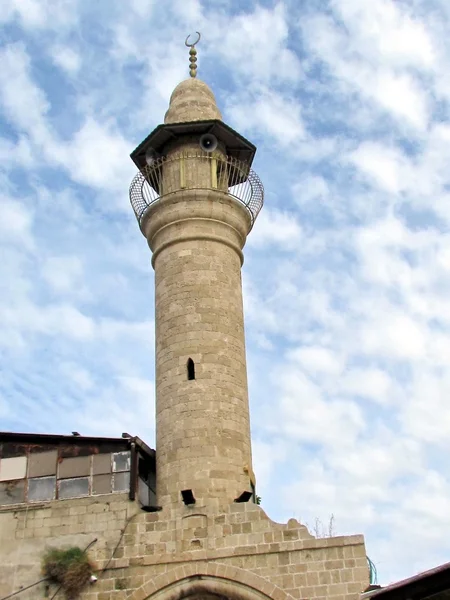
(192, 170)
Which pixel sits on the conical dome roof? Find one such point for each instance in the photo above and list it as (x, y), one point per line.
(192, 100)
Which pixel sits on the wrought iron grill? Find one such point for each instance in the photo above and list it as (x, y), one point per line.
(196, 170)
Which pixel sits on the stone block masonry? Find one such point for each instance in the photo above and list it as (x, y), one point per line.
(238, 551)
(202, 423)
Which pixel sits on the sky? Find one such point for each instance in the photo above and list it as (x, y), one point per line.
(347, 270)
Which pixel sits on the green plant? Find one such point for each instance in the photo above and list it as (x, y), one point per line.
(69, 568)
(121, 584)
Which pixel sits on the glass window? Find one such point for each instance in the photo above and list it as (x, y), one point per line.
(121, 482)
(143, 493)
(41, 488)
(121, 461)
(12, 492)
(74, 488)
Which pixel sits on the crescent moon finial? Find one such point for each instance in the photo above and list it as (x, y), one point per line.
(193, 54)
(196, 41)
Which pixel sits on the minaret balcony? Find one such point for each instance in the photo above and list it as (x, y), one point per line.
(196, 170)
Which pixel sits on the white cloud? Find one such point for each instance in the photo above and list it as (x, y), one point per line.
(94, 154)
(276, 228)
(16, 220)
(23, 101)
(266, 455)
(432, 500)
(402, 96)
(370, 383)
(95, 157)
(143, 8)
(66, 58)
(30, 12)
(123, 392)
(382, 164)
(114, 330)
(306, 415)
(19, 153)
(64, 274)
(373, 49)
(40, 14)
(258, 312)
(62, 319)
(58, 319)
(260, 35)
(387, 32)
(269, 113)
(375, 463)
(427, 417)
(315, 359)
(397, 336)
(311, 188)
(77, 374)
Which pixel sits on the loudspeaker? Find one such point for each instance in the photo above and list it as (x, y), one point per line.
(150, 156)
(208, 142)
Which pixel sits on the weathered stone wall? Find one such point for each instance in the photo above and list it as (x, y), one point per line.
(27, 530)
(239, 552)
(202, 425)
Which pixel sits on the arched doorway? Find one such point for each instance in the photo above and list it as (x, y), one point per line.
(209, 582)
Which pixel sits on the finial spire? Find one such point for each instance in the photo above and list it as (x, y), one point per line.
(193, 54)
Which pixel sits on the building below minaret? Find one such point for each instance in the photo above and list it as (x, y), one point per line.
(181, 521)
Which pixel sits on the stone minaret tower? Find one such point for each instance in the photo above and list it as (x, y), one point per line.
(196, 199)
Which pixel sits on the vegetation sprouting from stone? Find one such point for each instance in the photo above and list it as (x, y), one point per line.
(69, 568)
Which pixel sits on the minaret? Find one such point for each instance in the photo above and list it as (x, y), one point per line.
(196, 199)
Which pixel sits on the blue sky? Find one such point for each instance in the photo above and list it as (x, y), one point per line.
(346, 275)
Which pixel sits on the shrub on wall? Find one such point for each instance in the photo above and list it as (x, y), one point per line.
(69, 568)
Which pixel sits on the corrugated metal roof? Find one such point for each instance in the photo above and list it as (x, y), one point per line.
(421, 585)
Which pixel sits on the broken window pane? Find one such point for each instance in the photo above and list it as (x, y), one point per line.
(121, 482)
(41, 488)
(11, 492)
(121, 461)
(74, 488)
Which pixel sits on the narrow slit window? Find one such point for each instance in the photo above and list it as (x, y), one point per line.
(190, 369)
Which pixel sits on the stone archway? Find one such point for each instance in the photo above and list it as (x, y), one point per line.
(209, 582)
